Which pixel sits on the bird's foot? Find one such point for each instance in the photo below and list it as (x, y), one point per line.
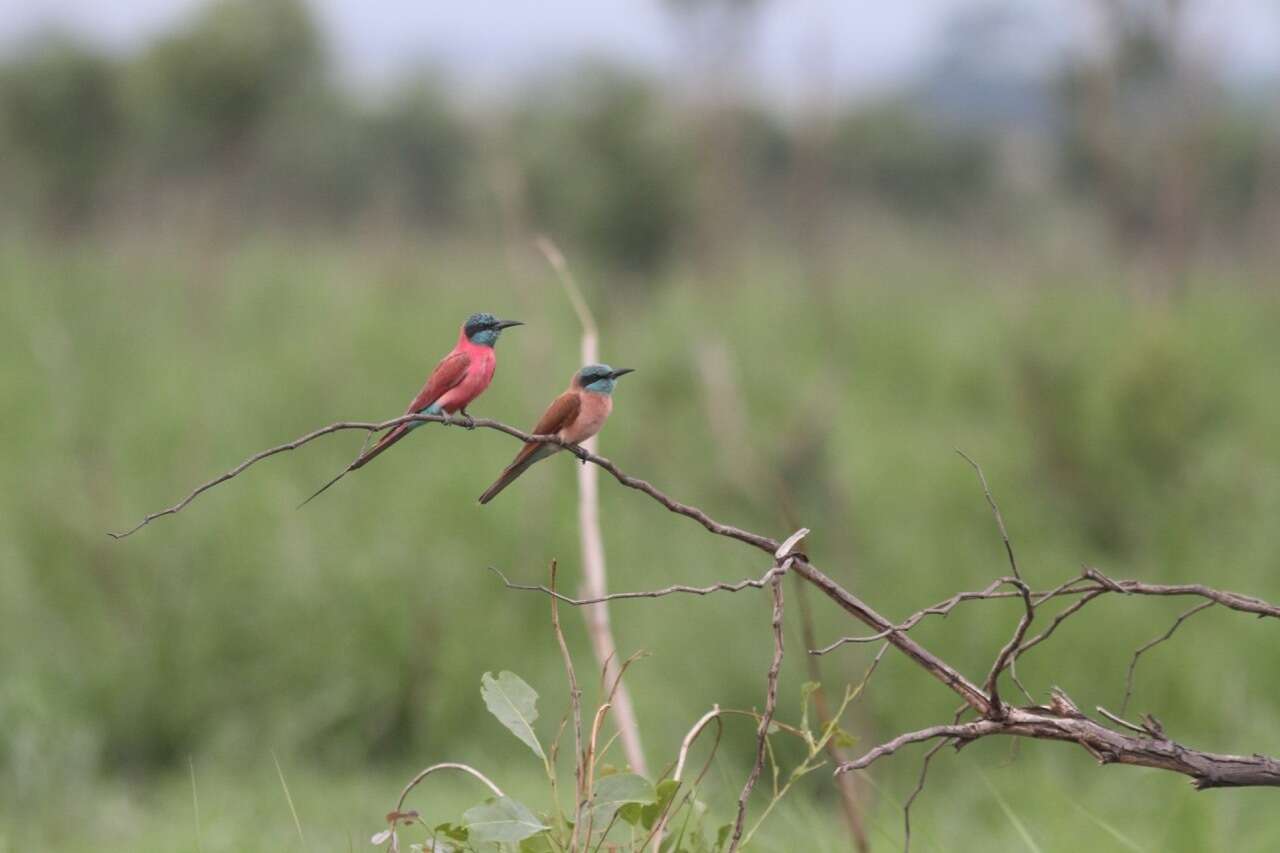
(468, 421)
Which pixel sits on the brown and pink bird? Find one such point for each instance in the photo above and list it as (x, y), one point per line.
(459, 378)
(574, 416)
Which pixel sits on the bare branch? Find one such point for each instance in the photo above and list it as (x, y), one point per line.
(1010, 649)
(960, 731)
(1133, 664)
(919, 788)
(942, 608)
(1206, 769)
(660, 824)
(759, 583)
(1232, 600)
(991, 501)
(1062, 721)
(690, 737)
(771, 697)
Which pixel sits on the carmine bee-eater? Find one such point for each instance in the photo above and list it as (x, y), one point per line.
(574, 416)
(459, 378)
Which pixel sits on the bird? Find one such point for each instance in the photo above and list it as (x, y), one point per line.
(574, 416)
(459, 378)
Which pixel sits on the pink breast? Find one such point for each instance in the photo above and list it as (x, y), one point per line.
(479, 375)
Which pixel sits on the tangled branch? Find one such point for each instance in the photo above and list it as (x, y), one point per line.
(1146, 745)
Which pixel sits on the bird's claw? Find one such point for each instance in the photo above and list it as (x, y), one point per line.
(467, 421)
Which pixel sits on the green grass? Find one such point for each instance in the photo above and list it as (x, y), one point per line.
(349, 638)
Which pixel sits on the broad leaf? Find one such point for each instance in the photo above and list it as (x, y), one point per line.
(501, 820)
(515, 704)
(666, 792)
(540, 843)
(614, 792)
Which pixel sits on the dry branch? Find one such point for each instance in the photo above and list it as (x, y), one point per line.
(1133, 664)
(1147, 746)
(770, 703)
(759, 583)
(1062, 721)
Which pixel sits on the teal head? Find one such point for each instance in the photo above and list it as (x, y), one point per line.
(599, 378)
(483, 329)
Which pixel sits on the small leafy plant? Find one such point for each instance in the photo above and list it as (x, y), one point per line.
(613, 809)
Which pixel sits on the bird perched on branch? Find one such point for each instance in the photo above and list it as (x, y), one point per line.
(459, 378)
(574, 416)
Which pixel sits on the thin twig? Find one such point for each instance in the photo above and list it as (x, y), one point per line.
(942, 608)
(924, 775)
(770, 704)
(1121, 721)
(590, 765)
(991, 501)
(1133, 664)
(575, 704)
(1232, 600)
(906, 807)
(846, 785)
(660, 825)
(961, 731)
(759, 583)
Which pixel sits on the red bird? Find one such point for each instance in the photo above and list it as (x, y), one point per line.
(574, 416)
(459, 378)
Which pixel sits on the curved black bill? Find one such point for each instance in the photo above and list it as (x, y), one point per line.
(506, 324)
(622, 371)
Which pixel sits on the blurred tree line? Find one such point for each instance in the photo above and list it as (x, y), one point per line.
(236, 119)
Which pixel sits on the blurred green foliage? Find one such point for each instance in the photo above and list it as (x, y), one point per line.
(237, 119)
(782, 386)
(607, 168)
(1132, 436)
(61, 122)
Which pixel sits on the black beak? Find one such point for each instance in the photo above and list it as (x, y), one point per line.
(622, 372)
(506, 324)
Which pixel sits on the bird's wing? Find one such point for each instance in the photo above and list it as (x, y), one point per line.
(560, 413)
(448, 373)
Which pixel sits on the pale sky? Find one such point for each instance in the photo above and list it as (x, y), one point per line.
(487, 45)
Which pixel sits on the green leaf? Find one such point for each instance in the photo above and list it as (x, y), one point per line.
(501, 820)
(451, 830)
(540, 843)
(632, 813)
(666, 792)
(515, 704)
(614, 792)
